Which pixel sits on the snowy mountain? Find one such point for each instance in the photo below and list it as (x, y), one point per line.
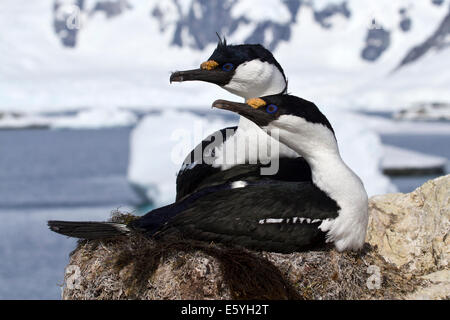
(264, 22)
(60, 54)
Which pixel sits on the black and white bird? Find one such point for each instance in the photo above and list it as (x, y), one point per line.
(234, 153)
(265, 214)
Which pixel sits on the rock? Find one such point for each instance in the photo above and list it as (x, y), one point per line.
(439, 287)
(406, 257)
(412, 230)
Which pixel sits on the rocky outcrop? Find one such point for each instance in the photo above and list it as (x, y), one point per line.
(412, 230)
(406, 257)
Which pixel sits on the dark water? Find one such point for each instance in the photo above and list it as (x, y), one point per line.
(81, 175)
(54, 174)
(69, 168)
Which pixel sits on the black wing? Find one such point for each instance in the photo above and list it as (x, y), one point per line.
(195, 167)
(261, 216)
(197, 174)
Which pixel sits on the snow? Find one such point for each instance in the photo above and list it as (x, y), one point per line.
(324, 65)
(117, 62)
(399, 158)
(83, 119)
(261, 11)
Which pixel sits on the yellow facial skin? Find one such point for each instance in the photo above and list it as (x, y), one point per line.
(256, 103)
(209, 65)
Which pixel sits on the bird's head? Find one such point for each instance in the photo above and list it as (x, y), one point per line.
(296, 122)
(247, 70)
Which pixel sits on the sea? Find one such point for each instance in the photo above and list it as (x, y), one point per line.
(81, 175)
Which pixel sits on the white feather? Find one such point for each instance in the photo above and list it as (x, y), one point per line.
(238, 184)
(272, 220)
(255, 79)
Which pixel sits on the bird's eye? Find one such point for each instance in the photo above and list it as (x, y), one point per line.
(227, 67)
(271, 108)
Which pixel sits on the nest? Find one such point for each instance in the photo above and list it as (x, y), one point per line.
(136, 267)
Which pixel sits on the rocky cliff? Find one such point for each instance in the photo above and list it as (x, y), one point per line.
(406, 257)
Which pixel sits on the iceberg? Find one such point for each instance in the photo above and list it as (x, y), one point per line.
(158, 147)
(400, 161)
(83, 119)
(96, 118)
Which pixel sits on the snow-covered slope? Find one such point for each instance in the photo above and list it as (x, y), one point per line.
(340, 53)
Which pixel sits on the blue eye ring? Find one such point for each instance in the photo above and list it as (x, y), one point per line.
(271, 108)
(227, 67)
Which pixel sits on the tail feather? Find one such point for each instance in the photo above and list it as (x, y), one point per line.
(88, 230)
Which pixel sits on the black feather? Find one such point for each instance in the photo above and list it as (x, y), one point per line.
(231, 216)
(87, 230)
(222, 42)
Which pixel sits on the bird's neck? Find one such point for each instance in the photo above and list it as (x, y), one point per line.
(318, 145)
(331, 175)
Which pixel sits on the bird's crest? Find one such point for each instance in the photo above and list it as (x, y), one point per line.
(222, 41)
